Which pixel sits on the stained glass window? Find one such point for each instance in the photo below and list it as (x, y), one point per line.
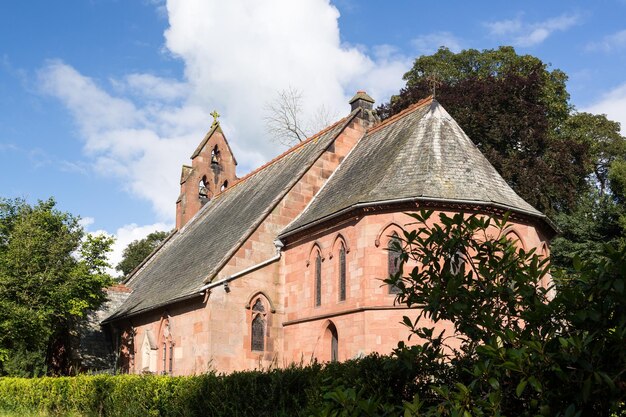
(342, 273)
(258, 333)
(171, 357)
(258, 306)
(393, 261)
(318, 279)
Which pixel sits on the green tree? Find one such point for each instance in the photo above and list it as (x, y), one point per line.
(51, 273)
(138, 250)
(516, 343)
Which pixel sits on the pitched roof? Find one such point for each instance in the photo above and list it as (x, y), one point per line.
(196, 253)
(215, 128)
(420, 154)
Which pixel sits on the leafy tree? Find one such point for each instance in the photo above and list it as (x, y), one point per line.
(138, 250)
(516, 342)
(51, 273)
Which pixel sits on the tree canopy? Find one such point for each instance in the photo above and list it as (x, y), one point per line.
(138, 250)
(51, 274)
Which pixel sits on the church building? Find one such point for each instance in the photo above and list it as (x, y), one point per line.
(285, 265)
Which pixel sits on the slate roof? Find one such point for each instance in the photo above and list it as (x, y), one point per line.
(194, 255)
(419, 154)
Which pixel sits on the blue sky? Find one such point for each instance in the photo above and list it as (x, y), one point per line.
(102, 101)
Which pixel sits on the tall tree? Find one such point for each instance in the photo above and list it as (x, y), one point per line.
(138, 250)
(51, 274)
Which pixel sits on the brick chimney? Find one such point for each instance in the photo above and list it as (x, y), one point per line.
(363, 101)
(212, 170)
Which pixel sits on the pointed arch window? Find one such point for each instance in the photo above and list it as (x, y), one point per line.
(393, 260)
(342, 272)
(203, 190)
(318, 279)
(331, 342)
(215, 155)
(258, 327)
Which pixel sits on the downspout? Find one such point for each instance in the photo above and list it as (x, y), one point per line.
(279, 246)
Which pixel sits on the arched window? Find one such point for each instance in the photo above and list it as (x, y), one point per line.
(203, 190)
(342, 272)
(215, 155)
(258, 327)
(331, 343)
(167, 346)
(224, 186)
(318, 279)
(393, 260)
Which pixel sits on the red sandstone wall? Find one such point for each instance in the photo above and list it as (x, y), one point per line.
(367, 321)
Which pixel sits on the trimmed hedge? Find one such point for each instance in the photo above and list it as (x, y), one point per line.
(294, 391)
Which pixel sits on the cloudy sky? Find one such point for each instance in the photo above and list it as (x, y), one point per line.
(102, 101)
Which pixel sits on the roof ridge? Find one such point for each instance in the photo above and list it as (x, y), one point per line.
(403, 113)
(287, 152)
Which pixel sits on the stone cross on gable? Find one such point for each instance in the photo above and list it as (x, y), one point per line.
(215, 115)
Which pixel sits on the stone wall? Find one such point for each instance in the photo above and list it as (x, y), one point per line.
(95, 351)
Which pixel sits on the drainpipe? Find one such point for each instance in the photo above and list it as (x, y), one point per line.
(279, 246)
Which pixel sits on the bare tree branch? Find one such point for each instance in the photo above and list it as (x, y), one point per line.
(284, 119)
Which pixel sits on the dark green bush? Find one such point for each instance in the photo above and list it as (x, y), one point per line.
(294, 391)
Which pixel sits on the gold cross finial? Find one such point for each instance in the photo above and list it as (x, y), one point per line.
(215, 115)
(434, 82)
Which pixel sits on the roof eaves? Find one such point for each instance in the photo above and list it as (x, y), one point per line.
(345, 210)
(423, 102)
(114, 317)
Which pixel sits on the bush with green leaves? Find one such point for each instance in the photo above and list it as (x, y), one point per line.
(293, 391)
(521, 348)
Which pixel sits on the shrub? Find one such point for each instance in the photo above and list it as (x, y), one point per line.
(293, 391)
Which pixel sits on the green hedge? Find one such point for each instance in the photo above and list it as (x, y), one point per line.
(294, 391)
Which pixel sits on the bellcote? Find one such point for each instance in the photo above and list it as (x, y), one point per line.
(212, 170)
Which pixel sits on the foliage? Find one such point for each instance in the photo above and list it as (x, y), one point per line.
(294, 391)
(50, 274)
(138, 250)
(517, 340)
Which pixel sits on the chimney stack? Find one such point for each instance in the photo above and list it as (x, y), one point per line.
(363, 101)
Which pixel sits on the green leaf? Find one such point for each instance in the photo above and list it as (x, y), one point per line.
(520, 387)
(494, 383)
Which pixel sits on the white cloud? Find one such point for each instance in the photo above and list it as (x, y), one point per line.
(613, 104)
(236, 55)
(525, 34)
(125, 235)
(609, 43)
(429, 43)
(85, 222)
